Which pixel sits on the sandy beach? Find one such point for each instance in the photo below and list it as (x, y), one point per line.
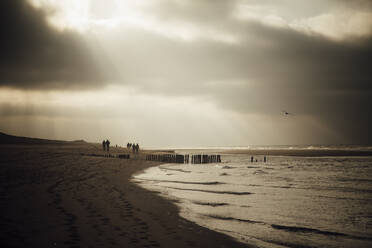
(56, 194)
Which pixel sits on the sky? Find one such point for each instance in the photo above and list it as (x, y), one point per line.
(187, 73)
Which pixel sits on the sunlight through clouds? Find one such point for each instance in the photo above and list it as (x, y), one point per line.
(88, 15)
(85, 15)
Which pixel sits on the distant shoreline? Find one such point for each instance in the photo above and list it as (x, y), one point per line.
(283, 151)
(274, 152)
(303, 152)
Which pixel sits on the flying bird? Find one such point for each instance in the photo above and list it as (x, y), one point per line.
(286, 113)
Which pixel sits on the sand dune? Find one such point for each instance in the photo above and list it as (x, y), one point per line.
(53, 196)
(10, 139)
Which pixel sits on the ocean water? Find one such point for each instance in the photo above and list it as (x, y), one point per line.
(285, 202)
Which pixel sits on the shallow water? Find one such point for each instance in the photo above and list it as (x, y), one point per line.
(286, 202)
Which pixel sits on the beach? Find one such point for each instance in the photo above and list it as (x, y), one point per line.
(73, 194)
(58, 194)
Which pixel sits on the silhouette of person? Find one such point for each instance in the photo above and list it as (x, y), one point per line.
(108, 145)
(134, 148)
(137, 148)
(104, 145)
(251, 159)
(264, 159)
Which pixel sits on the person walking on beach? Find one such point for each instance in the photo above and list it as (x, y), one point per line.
(104, 145)
(251, 159)
(108, 145)
(264, 159)
(134, 148)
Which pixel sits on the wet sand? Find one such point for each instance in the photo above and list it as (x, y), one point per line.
(52, 195)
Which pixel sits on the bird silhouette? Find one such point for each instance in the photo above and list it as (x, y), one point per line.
(286, 112)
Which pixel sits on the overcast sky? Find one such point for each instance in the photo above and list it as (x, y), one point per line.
(187, 73)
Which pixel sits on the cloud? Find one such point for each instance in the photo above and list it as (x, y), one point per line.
(334, 19)
(270, 69)
(266, 56)
(34, 55)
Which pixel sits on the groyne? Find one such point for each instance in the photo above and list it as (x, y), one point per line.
(185, 158)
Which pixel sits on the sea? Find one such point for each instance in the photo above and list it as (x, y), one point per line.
(287, 201)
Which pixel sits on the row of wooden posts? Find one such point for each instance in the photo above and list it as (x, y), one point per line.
(184, 158)
(205, 159)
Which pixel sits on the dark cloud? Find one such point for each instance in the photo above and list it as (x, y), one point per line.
(266, 57)
(34, 55)
(363, 5)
